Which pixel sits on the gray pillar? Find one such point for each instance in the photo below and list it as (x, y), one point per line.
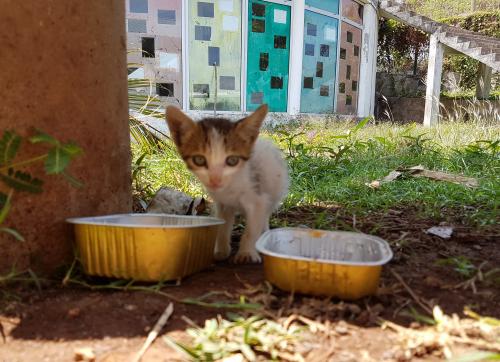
(483, 82)
(434, 73)
(63, 71)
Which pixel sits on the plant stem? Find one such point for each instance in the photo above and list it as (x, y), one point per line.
(24, 163)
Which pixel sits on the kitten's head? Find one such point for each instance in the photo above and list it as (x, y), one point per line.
(214, 149)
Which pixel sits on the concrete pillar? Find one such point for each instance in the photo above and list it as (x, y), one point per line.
(296, 53)
(483, 82)
(368, 66)
(63, 71)
(434, 73)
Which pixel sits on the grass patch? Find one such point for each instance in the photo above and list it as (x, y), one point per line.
(332, 162)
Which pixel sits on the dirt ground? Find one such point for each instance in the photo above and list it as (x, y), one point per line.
(50, 325)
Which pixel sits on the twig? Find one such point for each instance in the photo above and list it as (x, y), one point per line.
(156, 330)
(411, 292)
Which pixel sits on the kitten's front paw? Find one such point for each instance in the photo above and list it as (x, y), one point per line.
(247, 257)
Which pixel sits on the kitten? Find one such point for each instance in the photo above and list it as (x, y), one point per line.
(242, 174)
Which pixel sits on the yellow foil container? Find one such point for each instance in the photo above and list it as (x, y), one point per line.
(145, 247)
(323, 263)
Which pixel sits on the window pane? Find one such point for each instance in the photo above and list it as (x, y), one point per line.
(214, 30)
(328, 5)
(268, 55)
(319, 67)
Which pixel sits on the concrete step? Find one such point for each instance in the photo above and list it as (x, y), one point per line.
(478, 46)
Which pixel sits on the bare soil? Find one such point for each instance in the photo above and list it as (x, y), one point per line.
(50, 325)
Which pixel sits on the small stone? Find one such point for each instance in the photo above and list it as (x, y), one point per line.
(84, 354)
(74, 312)
(130, 307)
(341, 328)
(477, 247)
(433, 282)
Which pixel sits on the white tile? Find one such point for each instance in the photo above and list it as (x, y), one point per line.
(280, 16)
(330, 33)
(169, 61)
(226, 5)
(229, 23)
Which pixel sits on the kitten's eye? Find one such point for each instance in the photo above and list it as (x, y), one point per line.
(199, 161)
(232, 160)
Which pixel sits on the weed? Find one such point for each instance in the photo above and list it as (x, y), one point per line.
(251, 337)
(460, 264)
(332, 164)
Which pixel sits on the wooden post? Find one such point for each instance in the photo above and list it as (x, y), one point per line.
(483, 82)
(434, 73)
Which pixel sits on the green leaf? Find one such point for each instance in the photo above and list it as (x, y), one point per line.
(72, 180)
(22, 181)
(191, 352)
(71, 149)
(13, 232)
(361, 124)
(45, 138)
(6, 204)
(36, 280)
(57, 160)
(9, 145)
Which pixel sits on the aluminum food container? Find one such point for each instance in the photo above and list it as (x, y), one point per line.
(323, 263)
(145, 247)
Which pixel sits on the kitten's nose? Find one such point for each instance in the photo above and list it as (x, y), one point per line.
(214, 181)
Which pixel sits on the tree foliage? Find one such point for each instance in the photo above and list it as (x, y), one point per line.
(399, 45)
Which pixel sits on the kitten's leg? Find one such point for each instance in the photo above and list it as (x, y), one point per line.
(256, 214)
(223, 244)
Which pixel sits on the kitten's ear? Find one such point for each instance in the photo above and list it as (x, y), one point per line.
(178, 123)
(250, 125)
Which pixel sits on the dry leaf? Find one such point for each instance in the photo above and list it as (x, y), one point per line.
(420, 171)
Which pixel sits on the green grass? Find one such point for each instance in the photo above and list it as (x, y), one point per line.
(332, 162)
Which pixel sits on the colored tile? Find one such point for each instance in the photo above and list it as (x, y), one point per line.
(166, 17)
(138, 6)
(205, 10)
(136, 26)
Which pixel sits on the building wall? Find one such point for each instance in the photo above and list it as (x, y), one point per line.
(249, 42)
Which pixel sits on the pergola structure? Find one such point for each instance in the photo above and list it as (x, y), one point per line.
(452, 40)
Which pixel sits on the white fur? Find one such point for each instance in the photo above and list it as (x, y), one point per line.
(239, 194)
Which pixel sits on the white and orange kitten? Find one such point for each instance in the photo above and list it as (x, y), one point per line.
(242, 173)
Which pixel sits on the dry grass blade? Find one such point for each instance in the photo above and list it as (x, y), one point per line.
(156, 330)
(411, 292)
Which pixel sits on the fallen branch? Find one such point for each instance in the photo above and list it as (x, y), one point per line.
(411, 292)
(156, 330)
